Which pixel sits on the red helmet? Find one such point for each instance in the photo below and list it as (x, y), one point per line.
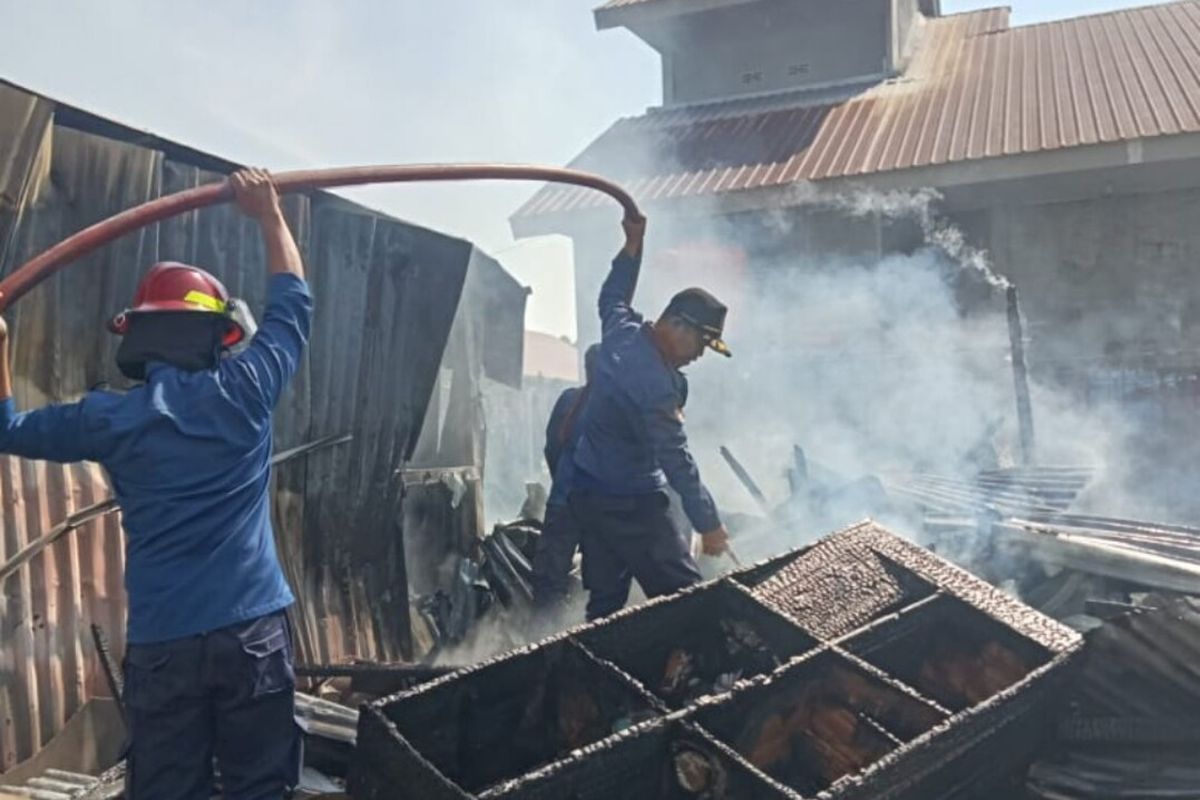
(171, 286)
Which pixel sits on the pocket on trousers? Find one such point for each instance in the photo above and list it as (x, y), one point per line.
(268, 651)
(148, 684)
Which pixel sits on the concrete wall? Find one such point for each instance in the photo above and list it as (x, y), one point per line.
(772, 46)
(1112, 278)
(1111, 291)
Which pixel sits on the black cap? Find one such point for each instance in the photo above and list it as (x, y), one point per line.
(700, 309)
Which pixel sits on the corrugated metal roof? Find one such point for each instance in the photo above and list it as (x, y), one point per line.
(975, 89)
(397, 304)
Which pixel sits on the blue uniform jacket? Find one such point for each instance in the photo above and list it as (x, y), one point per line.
(188, 455)
(633, 440)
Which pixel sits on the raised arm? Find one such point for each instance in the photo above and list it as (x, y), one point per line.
(616, 295)
(255, 194)
(274, 353)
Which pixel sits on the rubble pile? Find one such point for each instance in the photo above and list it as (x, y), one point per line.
(751, 686)
(494, 583)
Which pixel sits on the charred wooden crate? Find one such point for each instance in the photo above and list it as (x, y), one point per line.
(836, 585)
(950, 652)
(861, 667)
(697, 643)
(667, 759)
(961, 644)
(823, 719)
(461, 735)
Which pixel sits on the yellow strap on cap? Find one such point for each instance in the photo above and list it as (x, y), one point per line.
(206, 300)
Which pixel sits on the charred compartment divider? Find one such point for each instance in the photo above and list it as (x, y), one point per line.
(514, 715)
(820, 720)
(860, 667)
(949, 652)
(667, 759)
(698, 642)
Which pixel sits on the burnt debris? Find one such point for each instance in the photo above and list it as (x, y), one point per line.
(775, 682)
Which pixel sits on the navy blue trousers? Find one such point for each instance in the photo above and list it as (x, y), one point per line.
(554, 556)
(229, 694)
(626, 538)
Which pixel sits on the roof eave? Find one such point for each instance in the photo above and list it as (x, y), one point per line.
(1046, 165)
(638, 14)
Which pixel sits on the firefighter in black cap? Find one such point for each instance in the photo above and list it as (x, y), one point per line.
(633, 443)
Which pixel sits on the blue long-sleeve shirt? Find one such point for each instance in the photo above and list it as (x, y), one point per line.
(633, 439)
(188, 455)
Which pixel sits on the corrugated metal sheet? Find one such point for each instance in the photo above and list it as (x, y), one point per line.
(975, 89)
(1132, 732)
(47, 663)
(389, 298)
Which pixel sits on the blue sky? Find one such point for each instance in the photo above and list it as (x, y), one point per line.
(304, 83)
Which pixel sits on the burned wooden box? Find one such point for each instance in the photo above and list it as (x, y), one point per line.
(860, 667)
(697, 643)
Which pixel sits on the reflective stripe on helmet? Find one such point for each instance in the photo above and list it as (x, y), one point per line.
(206, 300)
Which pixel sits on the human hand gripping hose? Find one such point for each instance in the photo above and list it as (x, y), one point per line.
(37, 269)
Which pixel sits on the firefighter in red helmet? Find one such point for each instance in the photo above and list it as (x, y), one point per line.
(171, 286)
(192, 339)
(208, 668)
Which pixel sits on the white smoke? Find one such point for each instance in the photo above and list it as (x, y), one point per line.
(876, 365)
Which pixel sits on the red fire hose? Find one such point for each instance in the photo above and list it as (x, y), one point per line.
(37, 269)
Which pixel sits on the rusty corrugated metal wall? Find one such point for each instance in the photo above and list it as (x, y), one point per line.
(47, 668)
(387, 294)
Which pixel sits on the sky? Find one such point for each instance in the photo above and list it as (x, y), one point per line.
(290, 84)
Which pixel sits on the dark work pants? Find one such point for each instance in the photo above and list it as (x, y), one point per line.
(555, 552)
(230, 694)
(630, 537)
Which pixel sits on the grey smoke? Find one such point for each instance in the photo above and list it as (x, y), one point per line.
(919, 206)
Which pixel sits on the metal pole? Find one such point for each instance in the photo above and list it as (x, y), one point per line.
(1020, 377)
(746, 480)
